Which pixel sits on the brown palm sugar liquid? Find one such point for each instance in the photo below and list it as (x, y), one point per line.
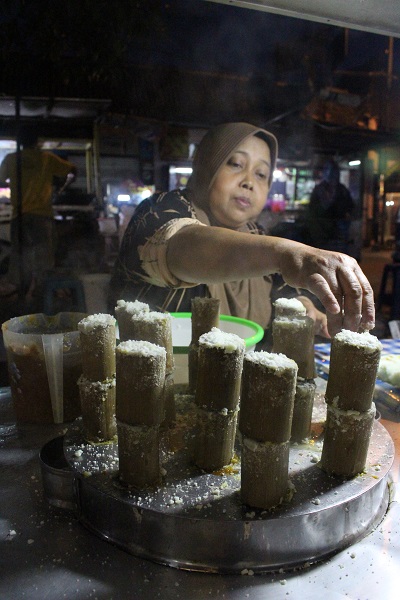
(30, 387)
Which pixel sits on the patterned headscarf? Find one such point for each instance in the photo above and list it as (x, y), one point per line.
(214, 150)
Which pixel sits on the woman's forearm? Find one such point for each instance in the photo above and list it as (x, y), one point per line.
(213, 254)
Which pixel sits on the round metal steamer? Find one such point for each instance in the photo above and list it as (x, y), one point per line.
(196, 521)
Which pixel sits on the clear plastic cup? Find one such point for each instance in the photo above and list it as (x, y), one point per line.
(44, 364)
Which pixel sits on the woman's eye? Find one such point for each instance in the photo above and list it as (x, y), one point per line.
(262, 175)
(234, 163)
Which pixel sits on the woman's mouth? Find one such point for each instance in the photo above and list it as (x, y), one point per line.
(242, 201)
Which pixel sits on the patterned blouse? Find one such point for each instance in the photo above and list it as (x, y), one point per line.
(140, 271)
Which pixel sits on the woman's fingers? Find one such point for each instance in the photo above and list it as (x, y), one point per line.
(368, 304)
(321, 326)
(326, 290)
(321, 288)
(358, 300)
(344, 291)
(336, 279)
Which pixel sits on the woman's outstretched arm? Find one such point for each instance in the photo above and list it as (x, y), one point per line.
(198, 254)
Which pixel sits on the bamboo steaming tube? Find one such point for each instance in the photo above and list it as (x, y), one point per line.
(354, 363)
(98, 409)
(140, 411)
(140, 382)
(205, 316)
(154, 327)
(124, 311)
(139, 455)
(302, 410)
(137, 322)
(217, 397)
(220, 370)
(266, 410)
(267, 398)
(353, 368)
(98, 339)
(346, 441)
(97, 382)
(294, 337)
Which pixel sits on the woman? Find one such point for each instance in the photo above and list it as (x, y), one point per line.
(204, 241)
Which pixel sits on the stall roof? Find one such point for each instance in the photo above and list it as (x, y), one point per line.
(63, 108)
(375, 16)
(67, 123)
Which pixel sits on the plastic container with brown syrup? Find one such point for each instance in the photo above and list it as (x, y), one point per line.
(44, 364)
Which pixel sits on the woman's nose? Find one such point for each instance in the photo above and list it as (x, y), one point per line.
(247, 183)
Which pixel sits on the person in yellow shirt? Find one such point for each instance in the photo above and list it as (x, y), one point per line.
(32, 222)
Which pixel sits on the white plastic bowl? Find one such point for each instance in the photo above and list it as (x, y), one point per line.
(250, 331)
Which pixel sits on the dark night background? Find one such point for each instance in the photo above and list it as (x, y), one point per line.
(196, 63)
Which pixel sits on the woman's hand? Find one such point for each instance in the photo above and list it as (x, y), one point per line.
(336, 279)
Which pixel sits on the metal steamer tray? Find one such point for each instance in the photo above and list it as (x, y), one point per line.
(196, 521)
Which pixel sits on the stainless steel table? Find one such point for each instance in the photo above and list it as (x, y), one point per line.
(47, 554)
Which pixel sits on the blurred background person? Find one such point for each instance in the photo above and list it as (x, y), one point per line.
(330, 211)
(32, 229)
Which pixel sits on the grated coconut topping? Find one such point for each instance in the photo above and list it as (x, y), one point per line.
(271, 359)
(360, 340)
(216, 338)
(96, 321)
(141, 348)
(132, 308)
(292, 304)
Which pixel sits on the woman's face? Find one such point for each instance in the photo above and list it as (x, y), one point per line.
(240, 189)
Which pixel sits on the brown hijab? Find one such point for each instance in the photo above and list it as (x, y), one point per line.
(248, 298)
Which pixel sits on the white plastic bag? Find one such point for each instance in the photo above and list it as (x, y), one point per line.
(394, 327)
